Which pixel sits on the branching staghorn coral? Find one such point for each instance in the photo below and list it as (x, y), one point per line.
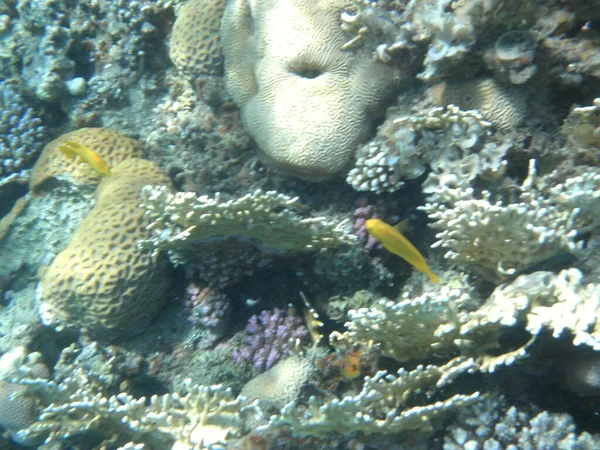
(457, 145)
(505, 238)
(267, 219)
(381, 406)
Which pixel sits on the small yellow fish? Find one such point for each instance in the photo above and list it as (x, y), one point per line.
(86, 155)
(393, 241)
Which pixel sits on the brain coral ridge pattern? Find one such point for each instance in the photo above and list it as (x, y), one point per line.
(195, 46)
(110, 145)
(305, 101)
(101, 281)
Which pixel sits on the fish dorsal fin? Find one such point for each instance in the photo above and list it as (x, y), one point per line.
(401, 226)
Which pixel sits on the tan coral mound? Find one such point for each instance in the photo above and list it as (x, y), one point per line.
(195, 46)
(110, 145)
(101, 281)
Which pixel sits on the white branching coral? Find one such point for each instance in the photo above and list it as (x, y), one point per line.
(411, 328)
(204, 418)
(559, 303)
(445, 323)
(381, 406)
(457, 145)
(267, 219)
(503, 238)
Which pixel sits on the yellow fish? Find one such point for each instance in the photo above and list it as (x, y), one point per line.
(394, 242)
(86, 155)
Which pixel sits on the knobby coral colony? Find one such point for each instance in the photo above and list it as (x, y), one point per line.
(515, 216)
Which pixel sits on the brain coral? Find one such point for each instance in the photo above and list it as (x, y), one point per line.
(112, 147)
(195, 46)
(306, 101)
(101, 281)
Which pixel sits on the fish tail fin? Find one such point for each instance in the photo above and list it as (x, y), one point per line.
(433, 277)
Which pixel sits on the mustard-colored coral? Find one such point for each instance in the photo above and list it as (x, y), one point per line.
(111, 146)
(101, 281)
(195, 46)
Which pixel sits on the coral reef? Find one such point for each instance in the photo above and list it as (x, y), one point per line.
(271, 336)
(281, 384)
(446, 322)
(504, 105)
(207, 306)
(378, 408)
(132, 353)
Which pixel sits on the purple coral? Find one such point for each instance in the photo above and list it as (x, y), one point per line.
(359, 228)
(270, 337)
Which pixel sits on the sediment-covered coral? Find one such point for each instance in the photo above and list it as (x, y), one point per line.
(455, 144)
(306, 101)
(267, 219)
(102, 281)
(582, 126)
(22, 133)
(511, 57)
(271, 336)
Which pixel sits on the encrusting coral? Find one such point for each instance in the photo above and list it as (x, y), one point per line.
(102, 281)
(306, 101)
(267, 219)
